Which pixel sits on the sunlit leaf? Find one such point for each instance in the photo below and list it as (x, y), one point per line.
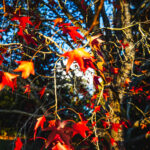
(26, 67)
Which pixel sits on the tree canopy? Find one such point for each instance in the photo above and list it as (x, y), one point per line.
(74, 74)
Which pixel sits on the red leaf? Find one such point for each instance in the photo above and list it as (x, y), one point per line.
(27, 37)
(26, 67)
(124, 124)
(92, 105)
(116, 126)
(41, 93)
(78, 55)
(71, 30)
(96, 81)
(105, 95)
(94, 97)
(114, 70)
(93, 124)
(39, 123)
(22, 20)
(3, 50)
(123, 44)
(94, 140)
(59, 128)
(112, 141)
(7, 79)
(27, 89)
(105, 123)
(136, 90)
(2, 30)
(96, 42)
(97, 108)
(83, 6)
(80, 128)
(18, 144)
(88, 63)
(1, 59)
(148, 98)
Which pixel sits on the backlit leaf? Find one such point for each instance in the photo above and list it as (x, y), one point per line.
(26, 67)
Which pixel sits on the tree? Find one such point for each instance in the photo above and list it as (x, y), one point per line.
(106, 40)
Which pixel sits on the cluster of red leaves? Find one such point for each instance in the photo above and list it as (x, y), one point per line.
(60, 133)
(23, 21)
(136, 90)
(114, 126)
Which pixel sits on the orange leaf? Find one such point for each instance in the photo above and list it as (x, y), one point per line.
(57, 21)
(18, 144)
(100, 65)
(7, 79)
(39, 123)
(26, 67)
(79, 55)
(127, 81)
(143, 126)
(136, 62)
(60, 146)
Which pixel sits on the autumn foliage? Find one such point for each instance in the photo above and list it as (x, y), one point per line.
(82, 78)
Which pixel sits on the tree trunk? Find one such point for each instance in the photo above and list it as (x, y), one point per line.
(125, 71)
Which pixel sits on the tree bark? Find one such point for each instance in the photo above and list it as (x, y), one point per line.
(125, 72)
